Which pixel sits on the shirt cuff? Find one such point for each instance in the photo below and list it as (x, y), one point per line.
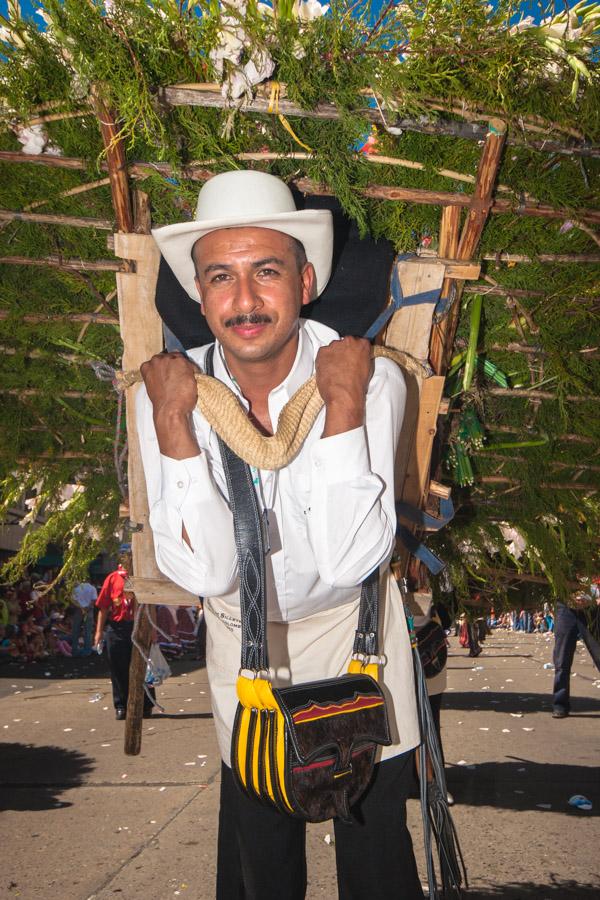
(179, 476)
(341, 456)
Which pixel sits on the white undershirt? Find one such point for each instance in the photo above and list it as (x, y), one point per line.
(330, 511)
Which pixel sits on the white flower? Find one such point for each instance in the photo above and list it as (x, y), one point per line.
(10, 37)
(265, 10)
(258, 68)
(33, 138)
(232, 39)
(307, 10)
(525, 23)
(515, 542)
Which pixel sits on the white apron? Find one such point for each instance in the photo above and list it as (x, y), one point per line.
(318, 646)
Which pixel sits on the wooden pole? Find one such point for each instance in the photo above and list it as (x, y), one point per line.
(35, 318)
(8, 215)
(308, 186)
(543, 258)
(196, 95)
(116, 165)
(442, 337)
(57, 262)
(532, 394)
(564, 486)
(36, 392)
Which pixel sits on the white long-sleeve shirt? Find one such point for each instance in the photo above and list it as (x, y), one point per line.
(330, 512)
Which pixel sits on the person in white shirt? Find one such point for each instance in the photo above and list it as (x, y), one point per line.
(253, 261)
(84, 597)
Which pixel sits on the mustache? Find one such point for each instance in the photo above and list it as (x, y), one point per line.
(251, 319)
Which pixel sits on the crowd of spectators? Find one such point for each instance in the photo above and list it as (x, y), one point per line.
(528, 621)
(37, 623)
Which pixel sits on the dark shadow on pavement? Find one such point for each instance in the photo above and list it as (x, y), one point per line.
(207, 715)
(556, 890)
(94, 666)
(523, 784)
(34, 777)
(505, 702)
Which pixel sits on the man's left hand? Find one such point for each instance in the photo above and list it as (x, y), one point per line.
(343, 370)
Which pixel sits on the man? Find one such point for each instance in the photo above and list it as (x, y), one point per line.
(116, 609)
(253, 261)
(84, 596)
(571, 623)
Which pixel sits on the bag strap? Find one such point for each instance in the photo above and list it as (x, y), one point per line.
(250, 545)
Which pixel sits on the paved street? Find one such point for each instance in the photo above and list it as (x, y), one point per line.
(81, 820)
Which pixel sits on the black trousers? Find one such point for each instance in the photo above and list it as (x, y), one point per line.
(118, 649)
(261, 853)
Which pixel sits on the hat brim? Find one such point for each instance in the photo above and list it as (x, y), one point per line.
(312, 227)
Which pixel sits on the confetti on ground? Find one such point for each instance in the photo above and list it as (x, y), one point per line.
(190, 764)
(153, 821)
(517, 715)
(105, 745)
(518, 792)
(508, 680)
(202, 756)
(486, 687)
(105, 708)
(92, 729)
(484, 729)
(124, 775)
(67, 729)
(544, 805)
(528, 729)
(506, 731)
(162, 789)
(328, 839)
(16, 720)
(5, 726)
(522, 770)
(202, 764)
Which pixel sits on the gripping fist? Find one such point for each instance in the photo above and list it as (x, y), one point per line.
(170, 382)
(343, 371)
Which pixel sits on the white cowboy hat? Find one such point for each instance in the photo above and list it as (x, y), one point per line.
(241, 198)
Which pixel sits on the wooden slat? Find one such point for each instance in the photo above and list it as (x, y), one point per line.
(161, 590)
(416, 479)
(141, 332)
(409, 328)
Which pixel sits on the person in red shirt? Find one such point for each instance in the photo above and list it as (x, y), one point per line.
(116, 608)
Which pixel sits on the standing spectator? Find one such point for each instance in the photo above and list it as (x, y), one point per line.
(571, 623)
(116, 612)
(84, 597)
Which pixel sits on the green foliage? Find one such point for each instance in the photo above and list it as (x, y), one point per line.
(451, 57)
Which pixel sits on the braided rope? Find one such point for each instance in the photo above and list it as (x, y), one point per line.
(223, 412)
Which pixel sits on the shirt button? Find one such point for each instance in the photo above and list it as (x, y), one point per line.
(180, 484)
(317, 463)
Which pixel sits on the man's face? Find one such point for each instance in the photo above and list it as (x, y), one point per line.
(252, 290)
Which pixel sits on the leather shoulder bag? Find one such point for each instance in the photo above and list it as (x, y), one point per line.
(308, 749)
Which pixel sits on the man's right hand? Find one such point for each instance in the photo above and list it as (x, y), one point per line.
(171, 386)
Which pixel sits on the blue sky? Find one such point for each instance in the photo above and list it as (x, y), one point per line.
(530, 8)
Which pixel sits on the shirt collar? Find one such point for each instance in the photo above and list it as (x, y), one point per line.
(300, 372)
